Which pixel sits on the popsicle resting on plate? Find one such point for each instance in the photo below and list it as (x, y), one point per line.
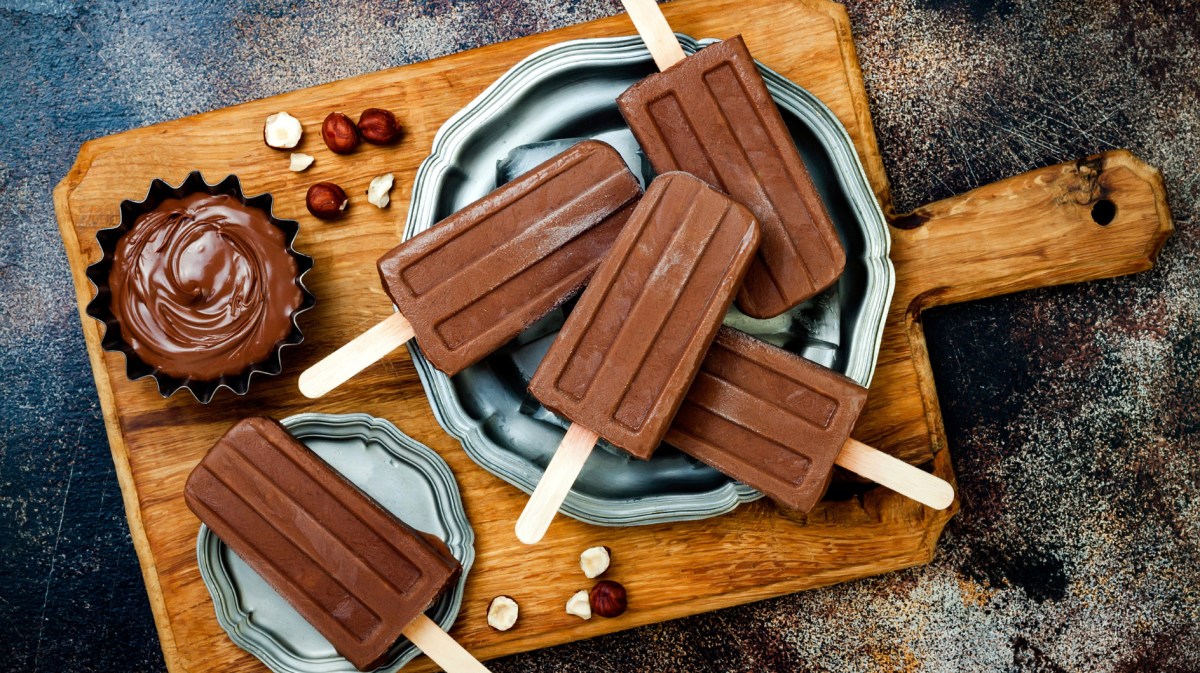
(355, 572)
(628, 352)
(779, 423)
(481, 276)
(710, 114)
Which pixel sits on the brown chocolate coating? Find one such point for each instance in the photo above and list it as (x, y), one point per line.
(481, 276)
(203, 286)
(357, 573)
(712, 116)
(628, 352)
(768, 418)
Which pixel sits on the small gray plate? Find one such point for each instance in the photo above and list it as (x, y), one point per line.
(567, 91)
(406, 477)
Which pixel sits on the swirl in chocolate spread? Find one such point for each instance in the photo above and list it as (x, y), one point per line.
(203, 286)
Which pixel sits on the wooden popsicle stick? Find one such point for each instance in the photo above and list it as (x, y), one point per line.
(364, 350)
(655, 32)
(440, 647)
(896, 474)
(564, 467)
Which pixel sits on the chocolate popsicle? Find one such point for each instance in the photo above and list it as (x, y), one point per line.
(358, 574)
(710, 114)
(778, 423)
(628, 352)
(478, 278)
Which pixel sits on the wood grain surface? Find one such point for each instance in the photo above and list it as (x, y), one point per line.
(1031, 230)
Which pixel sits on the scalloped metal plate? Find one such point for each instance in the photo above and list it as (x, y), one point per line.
(404, 476)
(569, 90)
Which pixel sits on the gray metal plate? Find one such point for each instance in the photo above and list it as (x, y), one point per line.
(567, 91)
(406, 477)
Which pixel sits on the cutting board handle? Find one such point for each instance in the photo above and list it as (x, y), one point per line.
(1098, 217)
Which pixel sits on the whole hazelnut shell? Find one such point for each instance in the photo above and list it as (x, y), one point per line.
(608, 599)
(326, 201)
(339, 133)
(378, 126)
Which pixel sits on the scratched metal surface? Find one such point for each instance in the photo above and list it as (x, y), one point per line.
(1073, 413)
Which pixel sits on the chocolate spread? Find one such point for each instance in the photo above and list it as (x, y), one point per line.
(203, 286)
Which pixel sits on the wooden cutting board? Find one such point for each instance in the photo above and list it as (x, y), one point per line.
(1032, 230)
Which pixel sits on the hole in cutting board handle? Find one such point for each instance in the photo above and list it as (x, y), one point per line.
(1104, 212)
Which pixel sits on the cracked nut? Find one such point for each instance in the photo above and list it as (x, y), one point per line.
(595, 561)
(502, 613)
(282, 131)
(339, 133)
(326, 201)
(300, 161)
(378, 190)
(608, 599)
(378, 126)
(580, 605)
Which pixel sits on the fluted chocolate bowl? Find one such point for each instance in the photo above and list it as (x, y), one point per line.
(199, 287)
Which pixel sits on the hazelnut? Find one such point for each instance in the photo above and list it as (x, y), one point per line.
(378, 126)
(502, 613)
(579, 605)
(326, 201)
(377, 191)
(340, 133)
(595, 561)
(608, 599)
(300, 161)
(282, 131)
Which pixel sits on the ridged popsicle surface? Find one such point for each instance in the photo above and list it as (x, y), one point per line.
(768, 418)
(712, 116)
(478, 278)
(623, 361)
(357, 573)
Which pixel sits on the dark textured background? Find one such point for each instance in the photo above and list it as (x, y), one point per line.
(1073, 413)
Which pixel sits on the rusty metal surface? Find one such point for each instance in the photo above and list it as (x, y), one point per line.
(1073, 413)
